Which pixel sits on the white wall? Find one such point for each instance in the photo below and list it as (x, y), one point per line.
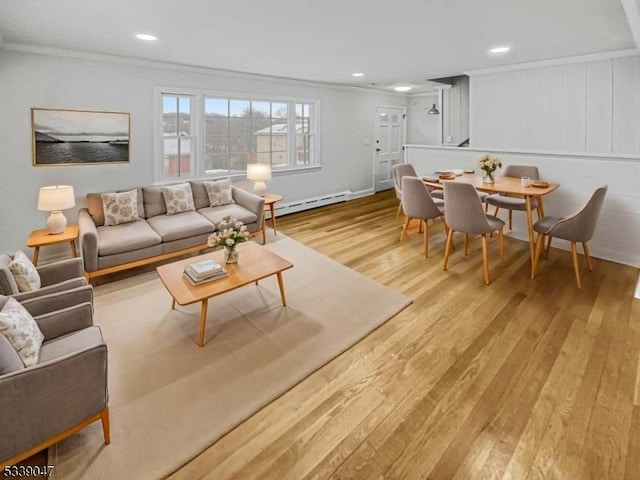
(422, 128)
(579, 106)
(617, 237)
(50, 81)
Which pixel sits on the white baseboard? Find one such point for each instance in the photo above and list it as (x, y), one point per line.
(283, 208)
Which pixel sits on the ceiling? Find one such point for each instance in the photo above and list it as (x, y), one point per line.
(391, 42)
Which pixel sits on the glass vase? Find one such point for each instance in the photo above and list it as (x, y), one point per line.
(488, 177)
(230, 255)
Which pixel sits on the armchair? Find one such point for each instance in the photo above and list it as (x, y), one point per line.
(65, 391)
(54, 277)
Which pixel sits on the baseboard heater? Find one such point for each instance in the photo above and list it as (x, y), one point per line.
(283, 208)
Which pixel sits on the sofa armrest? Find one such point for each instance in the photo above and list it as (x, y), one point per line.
(40, 402)
(68, 320)
(57, 272)
(251, 202)
(88, 240)
(58, 301)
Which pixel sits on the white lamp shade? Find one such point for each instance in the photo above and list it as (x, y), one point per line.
(258, 171)
(56, 198)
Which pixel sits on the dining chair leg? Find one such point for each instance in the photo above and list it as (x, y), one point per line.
(420, 227)
(576, 267)
(485, 259)
(495, 212)
(510, 219)
(398, 211)
(501, 243)
(447, 249)
(404, 229)
(587, 256)
(537, 253)
(466, 244)
(426, 239)
(546, 251)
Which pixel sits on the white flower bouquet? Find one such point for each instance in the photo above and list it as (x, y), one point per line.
(230, 233)
(489, 163)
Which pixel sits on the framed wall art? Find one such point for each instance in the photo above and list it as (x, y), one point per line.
(79, 137)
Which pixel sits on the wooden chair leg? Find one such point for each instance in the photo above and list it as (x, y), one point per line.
(510, 219)
(546, 251)
(537, 254)
(398, 211)
(576, 267)
(426, 239)
(447, 249)
(420, 226)
(404, 228)
(587, 256)
(495, 212)
(485, 259)
(466, 244)
(105, 426)
(501, 243)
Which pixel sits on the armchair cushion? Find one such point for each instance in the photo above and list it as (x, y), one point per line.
(21, 330)
(24, 273)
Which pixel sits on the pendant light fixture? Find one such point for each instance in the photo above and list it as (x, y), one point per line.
(433, 110)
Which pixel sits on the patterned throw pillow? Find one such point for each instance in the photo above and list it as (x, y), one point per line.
(178, 198)
(24, 273)
(120, 207)
(22, 331)
(219, 192)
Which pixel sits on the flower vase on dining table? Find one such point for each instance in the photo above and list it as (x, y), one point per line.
(230, 254)
(488, 177)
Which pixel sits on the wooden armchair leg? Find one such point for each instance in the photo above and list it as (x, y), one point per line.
(587, 256)
(576, 267)
(105, 426)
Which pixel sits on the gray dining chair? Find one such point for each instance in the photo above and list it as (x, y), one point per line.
(578, 227)
(464, 213)
(500, 200)
(418, 204)
(400, 170)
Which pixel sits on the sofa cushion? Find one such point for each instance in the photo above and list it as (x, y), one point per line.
(96, 210)
(21, 330)
(126, 237)
(219, 192)
(216, 214)
(153, 201)
(120, 207)
(200, 195)
(180, 225)
(9, 359)
(70, 343)
(178, 198)
(24, 273)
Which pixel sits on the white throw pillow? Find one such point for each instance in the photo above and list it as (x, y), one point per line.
(24, 273)
(22, 331)
(120, 207)
(178, 198)
(219, 192)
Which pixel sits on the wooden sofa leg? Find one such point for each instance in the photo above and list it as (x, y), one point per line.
(105, 426)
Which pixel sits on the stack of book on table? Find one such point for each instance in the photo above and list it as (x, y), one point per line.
(203, 272)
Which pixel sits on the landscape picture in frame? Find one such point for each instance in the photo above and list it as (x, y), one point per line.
(79, 137)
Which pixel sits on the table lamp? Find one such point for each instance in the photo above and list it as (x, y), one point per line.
(259, 172)
(54, 199)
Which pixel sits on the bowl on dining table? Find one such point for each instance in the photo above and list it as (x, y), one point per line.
(447, 176)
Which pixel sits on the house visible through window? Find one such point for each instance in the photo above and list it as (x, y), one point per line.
(210, 135)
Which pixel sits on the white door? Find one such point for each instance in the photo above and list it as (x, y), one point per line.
(388, 144)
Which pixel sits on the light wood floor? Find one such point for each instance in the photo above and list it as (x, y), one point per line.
(522, 379)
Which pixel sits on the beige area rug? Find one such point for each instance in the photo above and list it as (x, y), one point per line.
(170, 400)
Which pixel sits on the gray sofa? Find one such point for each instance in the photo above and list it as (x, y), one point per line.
(157, 236)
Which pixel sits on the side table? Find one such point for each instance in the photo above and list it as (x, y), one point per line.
(270, 201)
(42, 238)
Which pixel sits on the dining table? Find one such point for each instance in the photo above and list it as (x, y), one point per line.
(511, 186)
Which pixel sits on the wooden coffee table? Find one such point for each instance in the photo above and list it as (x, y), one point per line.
(255, 263)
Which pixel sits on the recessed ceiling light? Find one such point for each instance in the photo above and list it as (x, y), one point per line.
(146, 37)
(357, 74)
(500, 49)
(402, 88)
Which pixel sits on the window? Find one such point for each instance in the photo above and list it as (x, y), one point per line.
(217, 135)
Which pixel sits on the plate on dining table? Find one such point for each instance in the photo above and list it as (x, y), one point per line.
(539, 184)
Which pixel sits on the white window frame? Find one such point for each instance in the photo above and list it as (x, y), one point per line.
(198, 132)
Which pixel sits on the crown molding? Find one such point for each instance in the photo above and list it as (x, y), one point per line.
(185, 68)
(557, 61)
(632, 11)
